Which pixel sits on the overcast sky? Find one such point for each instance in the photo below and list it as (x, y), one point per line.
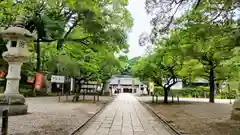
(141, 24)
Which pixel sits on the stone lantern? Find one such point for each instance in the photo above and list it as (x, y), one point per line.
(17, 39)
(236, 110)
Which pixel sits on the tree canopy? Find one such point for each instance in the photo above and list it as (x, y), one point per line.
(73, 38)
(202, 42)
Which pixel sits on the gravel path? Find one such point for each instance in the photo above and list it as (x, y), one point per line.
(49, 117)
(198, 118)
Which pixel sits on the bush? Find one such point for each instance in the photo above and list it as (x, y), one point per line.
(232, 94)
(187, 92)
(158, 91)
(175, 92)
(27, 92)
(1, 89)
(202, 91)
(52, 94)
(223, 94)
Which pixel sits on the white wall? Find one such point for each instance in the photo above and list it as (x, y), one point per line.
(177, 86)
(125, 80)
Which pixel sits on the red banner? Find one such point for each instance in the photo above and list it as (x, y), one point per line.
(2, 74)
(39, 81)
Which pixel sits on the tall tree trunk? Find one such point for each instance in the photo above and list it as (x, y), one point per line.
(38, 55)
(238, 89)
(104, 88)
(166, 95)
(212, 84)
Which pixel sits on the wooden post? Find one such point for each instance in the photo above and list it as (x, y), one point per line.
(152, 98)
(67, 96)
(83, 95)
(4, 122)
(97, 97)
(59, 96)
(156, 99)
(62, 89)
(94, 98)
(172, 99)
(178, 99)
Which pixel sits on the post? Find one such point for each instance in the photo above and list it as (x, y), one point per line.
(67, 96)
(172, 99)
(62, 89)
(156, 99)
(152, 98)
(94, 98)
(59, 98)
(4, 122)
(97, 97)
(178, 99)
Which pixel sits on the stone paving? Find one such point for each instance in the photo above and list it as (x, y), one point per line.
(125, 116)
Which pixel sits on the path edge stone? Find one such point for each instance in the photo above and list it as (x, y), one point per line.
(160, 117)
(93, 116)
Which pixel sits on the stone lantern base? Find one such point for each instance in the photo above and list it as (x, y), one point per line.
(236, 110)
(14, 103)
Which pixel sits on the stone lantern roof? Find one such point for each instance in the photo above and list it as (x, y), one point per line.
(16, 32)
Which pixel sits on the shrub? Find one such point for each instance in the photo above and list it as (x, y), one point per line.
(187, 92)
(1, 89)
(52, 94)
(202, 91)
(232, 94)
(27, 92)
(158, 91)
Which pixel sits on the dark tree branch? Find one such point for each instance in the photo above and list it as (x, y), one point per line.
(81, 40)
(197, 4)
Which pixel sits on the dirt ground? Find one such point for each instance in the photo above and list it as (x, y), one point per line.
(46, 116)
(199, 118)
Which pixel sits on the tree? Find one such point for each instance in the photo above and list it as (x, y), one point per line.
(165, 12)
(56, 20)
(162, 67)
(87, 35)
(209, 43)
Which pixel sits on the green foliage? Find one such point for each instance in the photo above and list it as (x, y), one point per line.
(232, 94)
(129, 66)
(198, 46)
(88, 35)
(158, 90)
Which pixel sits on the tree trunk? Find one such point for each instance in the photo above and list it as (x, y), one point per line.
(37, 45)
(238, 90)
(212, 84)
(156, 99)
(217, 88)
(103, 87)
(166, 95)
(152, 98)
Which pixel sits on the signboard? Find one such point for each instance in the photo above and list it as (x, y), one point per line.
(39, 81)
(57, 79)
